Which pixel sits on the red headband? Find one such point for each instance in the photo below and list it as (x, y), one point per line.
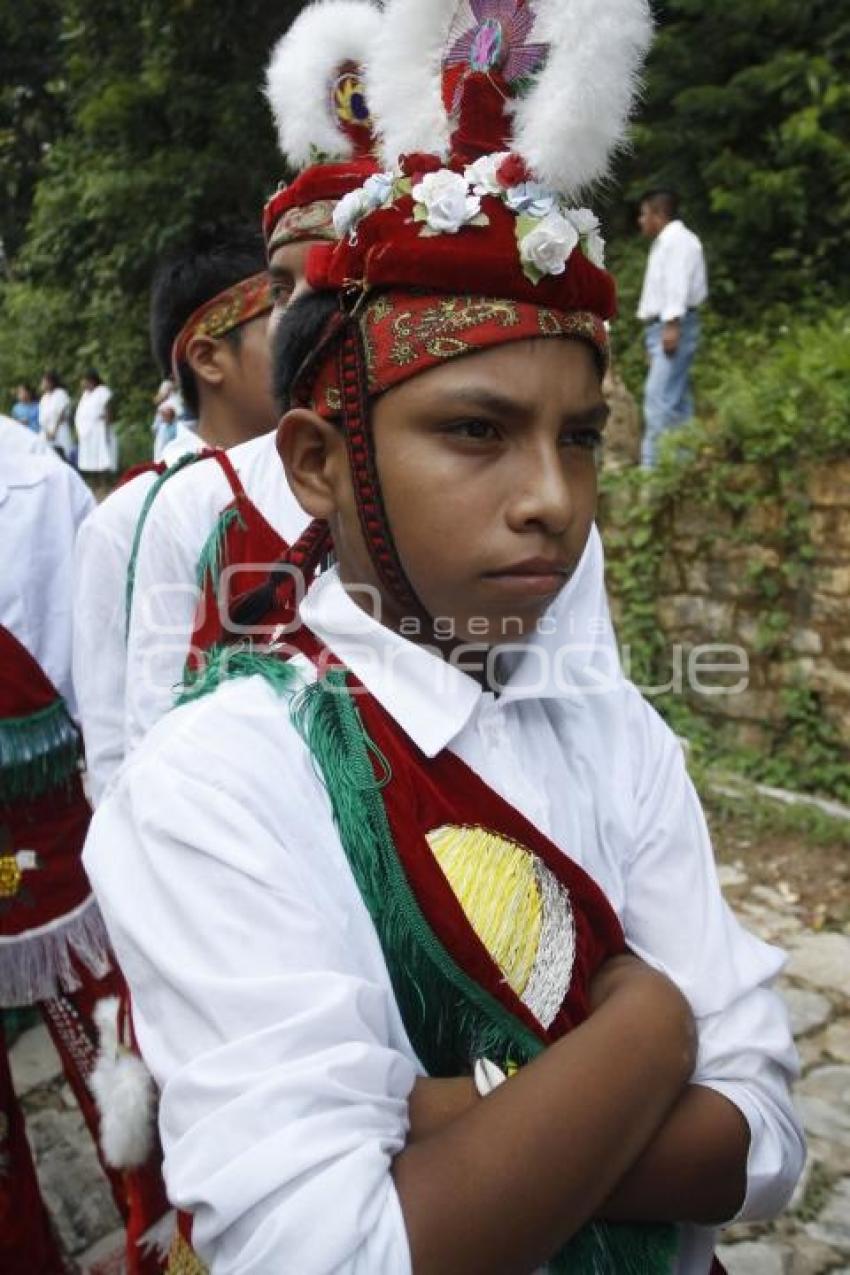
(304, 209)
(405, 333)
(229, 310)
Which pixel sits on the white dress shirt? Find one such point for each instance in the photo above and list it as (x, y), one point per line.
(676, 280)
(166, 592)
(42, 504)
(262, 1001)
(101, 558)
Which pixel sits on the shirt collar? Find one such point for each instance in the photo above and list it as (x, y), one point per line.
(573, 654)
(430, 699)
(672, 226)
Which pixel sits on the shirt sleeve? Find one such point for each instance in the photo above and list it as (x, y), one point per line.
(677, 920)
(261, 1011)
(99, 649)
(165, 598)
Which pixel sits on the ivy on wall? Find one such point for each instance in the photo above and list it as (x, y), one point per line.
(773, 406)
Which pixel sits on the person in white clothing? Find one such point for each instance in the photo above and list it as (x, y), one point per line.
(674, 288)
(15, 437)
(226, 373)
(54, 414)
(424, 938)
(97, 442)
(41, 497)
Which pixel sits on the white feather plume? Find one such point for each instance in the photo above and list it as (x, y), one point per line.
(404, 78)
(302, 69)
(125, 1095)
(576, 115)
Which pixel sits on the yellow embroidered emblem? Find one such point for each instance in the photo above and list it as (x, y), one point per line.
(11, 876)
(518, 909)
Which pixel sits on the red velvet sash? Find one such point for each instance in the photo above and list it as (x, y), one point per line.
(425, 794)
(249, 542)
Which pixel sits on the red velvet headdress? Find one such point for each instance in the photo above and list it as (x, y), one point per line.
(314, 85)
(494, 116)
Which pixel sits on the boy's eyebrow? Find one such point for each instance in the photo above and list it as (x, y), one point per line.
(594, 417)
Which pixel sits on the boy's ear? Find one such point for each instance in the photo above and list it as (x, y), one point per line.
(206, 358)
(314, 457)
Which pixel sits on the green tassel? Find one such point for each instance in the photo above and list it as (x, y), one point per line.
(224, 662)
(37, 753)
(140, 526)
(212, 554)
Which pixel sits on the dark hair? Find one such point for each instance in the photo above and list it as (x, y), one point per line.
(298, 333)
(186, 280)
(91, 374)
(54, 380)
(662, 201)
(25, 385)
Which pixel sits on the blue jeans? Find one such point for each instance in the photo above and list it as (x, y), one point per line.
(668, 401)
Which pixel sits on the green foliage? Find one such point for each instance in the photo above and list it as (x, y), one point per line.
(165, 136)
(773, 402)
(747, 115)
(728, 802)
(808, 753)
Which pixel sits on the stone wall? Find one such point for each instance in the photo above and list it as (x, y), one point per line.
(721, 580)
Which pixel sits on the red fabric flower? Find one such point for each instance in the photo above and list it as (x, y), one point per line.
(418, 163)
(512, 171)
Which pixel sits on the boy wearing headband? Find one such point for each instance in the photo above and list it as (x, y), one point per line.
(212, 518)
(472, 999)
(209, 318)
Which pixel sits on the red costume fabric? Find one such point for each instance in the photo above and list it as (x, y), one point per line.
(53, 950)
(248, 546)
(230, 309)
(304, 209)
(405, 333)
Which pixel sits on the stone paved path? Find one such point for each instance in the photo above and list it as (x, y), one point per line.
(813, 1238)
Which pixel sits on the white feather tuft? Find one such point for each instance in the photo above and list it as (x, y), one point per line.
(125, 1095)
(576, 116)
(300, 75)
(404, 78)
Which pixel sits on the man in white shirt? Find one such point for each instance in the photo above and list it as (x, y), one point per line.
(674, 288)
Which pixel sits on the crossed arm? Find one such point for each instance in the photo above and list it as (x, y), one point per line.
(602, 1125)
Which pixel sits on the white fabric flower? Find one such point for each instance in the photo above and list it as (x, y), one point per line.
(548, 247)
(481, 175)
(379, 188)
(587, 224)
(350, 211)
(594, 248)
(585, 221)
(531, 198)
(447, 202)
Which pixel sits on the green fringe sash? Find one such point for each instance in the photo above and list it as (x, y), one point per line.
(38, 753)
(212, 554)
(448, 1016)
